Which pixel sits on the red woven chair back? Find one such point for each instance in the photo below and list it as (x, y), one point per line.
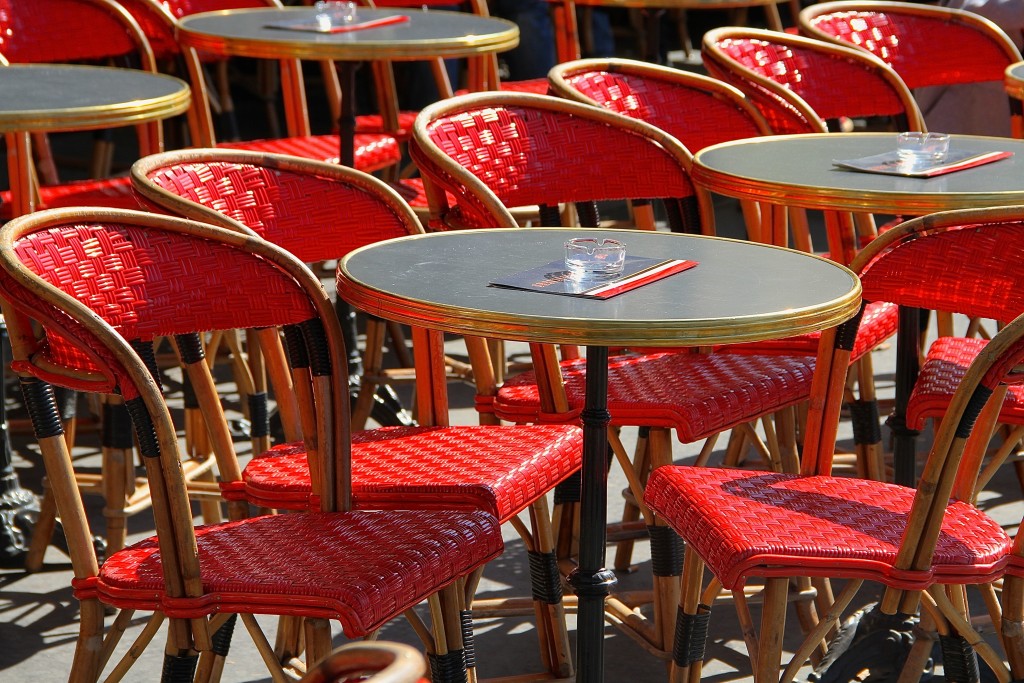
(533, 149)
(952, 265)
(144, 283)
(68, 31)
(925, 45)
(699, 111)
(771, 68)
(315, 211)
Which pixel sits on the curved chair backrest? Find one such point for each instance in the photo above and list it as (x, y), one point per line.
(314, 210)
(69, 31)
(697, 110)
(799, 84)
(924, 44)
(492, 151)
(381, 661)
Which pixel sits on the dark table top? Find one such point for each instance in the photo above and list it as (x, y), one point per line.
(244, 32)
(740, 291)
(797, 170)
(48, 97)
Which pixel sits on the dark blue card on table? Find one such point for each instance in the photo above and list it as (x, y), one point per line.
(554, 278)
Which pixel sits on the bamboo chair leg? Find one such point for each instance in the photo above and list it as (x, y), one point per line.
(318, 640)
(631, 511)
(773, 628)
(551, 611)
(118, 466)
(448, 659)
(373, 361)
(42, 532)
(1012, 624)
(691, 623)
(666, 550)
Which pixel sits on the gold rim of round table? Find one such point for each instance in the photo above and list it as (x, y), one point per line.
(1015, 80)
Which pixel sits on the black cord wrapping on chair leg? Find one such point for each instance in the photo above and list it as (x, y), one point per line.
(683, 215)
(145, 430)
(42, 408)
(468, 641)
(588, 215)
(545, 580)
(179, 668)
(569, 491)
(691, 636)
(316, 347)
(221, 639)
(259, 415)
(959, 660)
(549, 216)
(667, 550)
(117, 427)
(146, 352)
(295, 345)
(448, 668)
(866, 422)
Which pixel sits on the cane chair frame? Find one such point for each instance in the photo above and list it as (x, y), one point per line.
(193, 625)
(984, 30)
(431, 404)
(389, 663)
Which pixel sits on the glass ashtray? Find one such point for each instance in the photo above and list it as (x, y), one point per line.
(915, 146)
(331, 13)
(590, 257)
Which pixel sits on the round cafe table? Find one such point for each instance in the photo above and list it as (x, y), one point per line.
(426, 34)
(40, 98)
(740, 291)
(797, 171)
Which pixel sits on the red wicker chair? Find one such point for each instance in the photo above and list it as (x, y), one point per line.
(798, 84)
(915, 41)
(776, 526)
(493, 150)
(121, 278)
(319, 212)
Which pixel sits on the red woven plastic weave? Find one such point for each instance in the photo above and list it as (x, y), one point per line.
(113, 193)
(313, 218)
(832, 85)
(923, 50)
(498, 469)
(533, 156)
(52, 31)
(372, 152)
(695, 117)
(746, 523)
(697, 395)
(361, 568)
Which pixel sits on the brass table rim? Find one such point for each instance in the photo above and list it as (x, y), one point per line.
(599, 332)
(678, 4)
(98, 116)
(460, 46)
(836, 198)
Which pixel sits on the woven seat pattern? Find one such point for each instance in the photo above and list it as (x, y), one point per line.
(372, 152)
(821, 79)
(329, 565)
(513, 151)
(280, 206)
(765, 524)
(65, 41)
(698, 395)
(497, 469)
(944, 367)
(899, 41)
(697, 118)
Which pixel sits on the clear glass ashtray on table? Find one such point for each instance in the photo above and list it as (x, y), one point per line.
(331, 13)
(589, 257)
(918, 147)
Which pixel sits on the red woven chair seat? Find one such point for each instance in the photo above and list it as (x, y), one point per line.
(698, 395)
(329, 565)
(115, 193)
(497, 469)
(745, 523)
(880, 321)
(372, 152)
(944, 367)
(537, 86)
